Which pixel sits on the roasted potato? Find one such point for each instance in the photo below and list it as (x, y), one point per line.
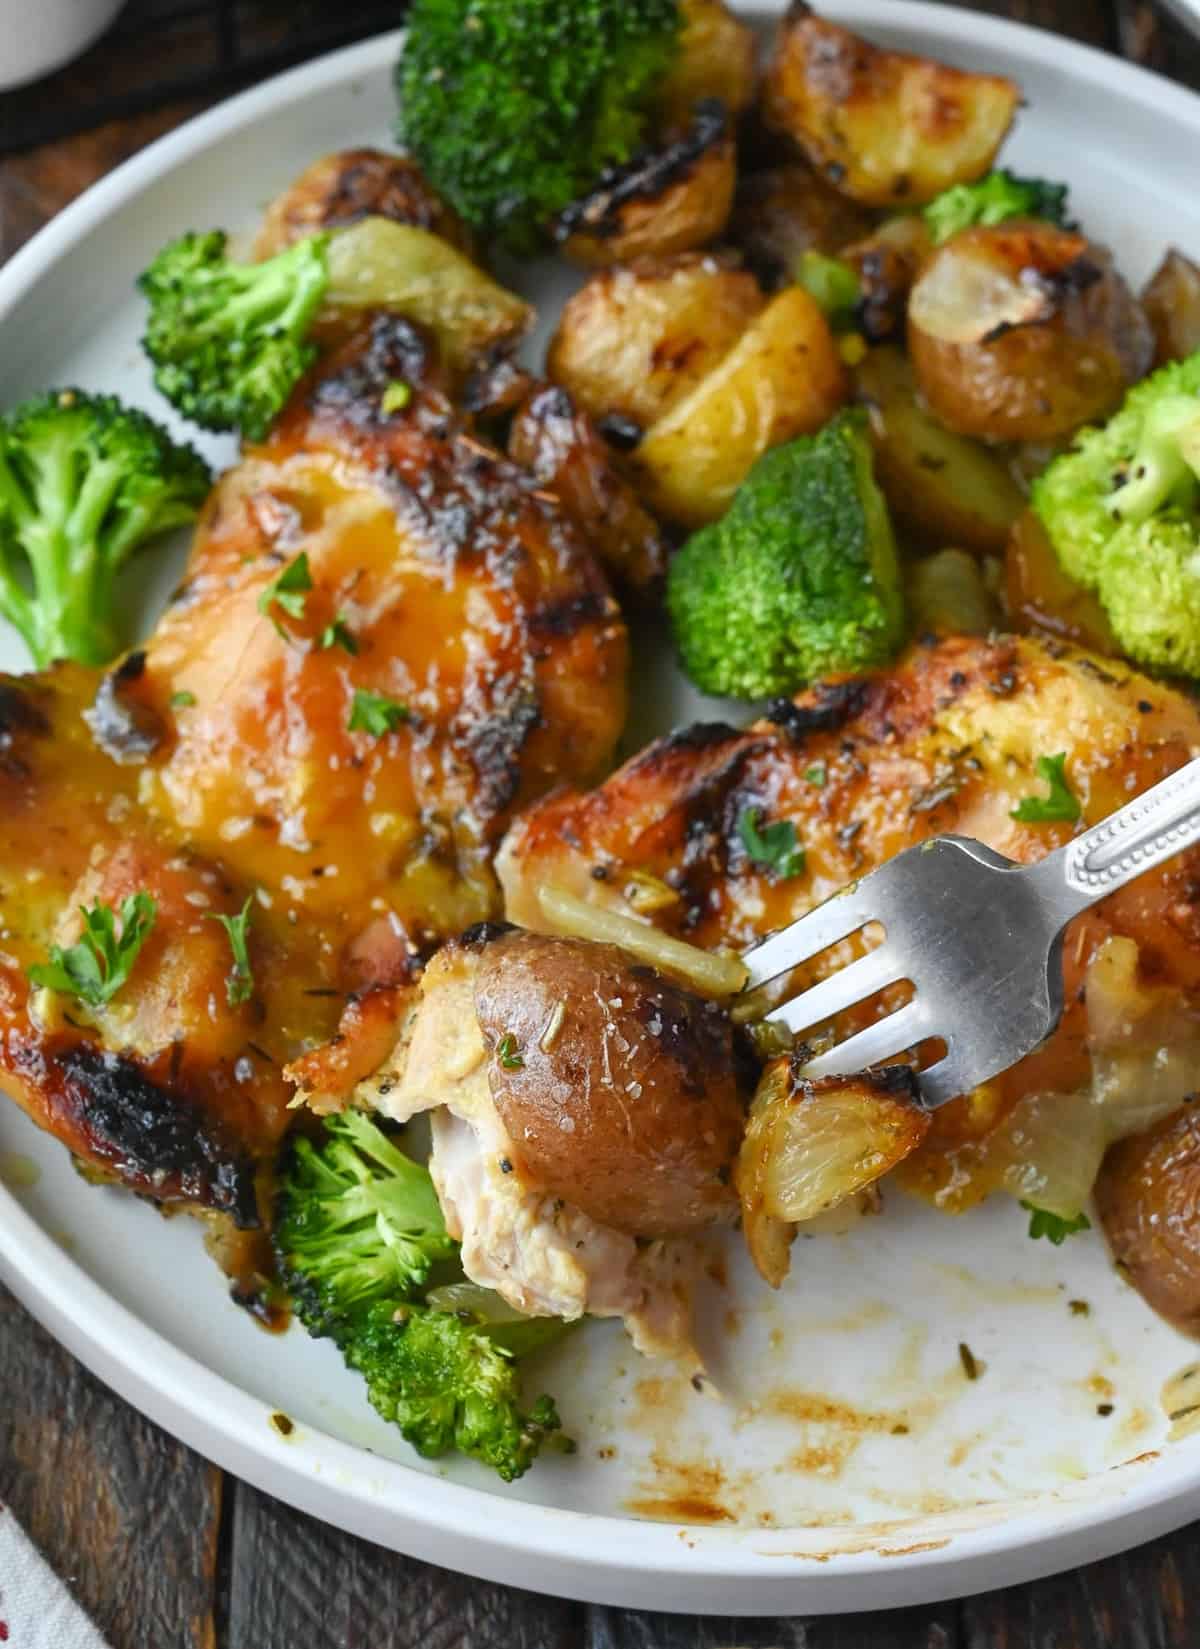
(1024, 332)
(942, 488)
(672, 198)
(634, 341)
(948, 594)
(716, 59)
(353, 184)
(382, 265)
(884, 127)
(887, 263)
(560, 445)
(780, 214)
(1172, 301)
(810, 1145)
(617, 1088)
(784, 377)
(1042, 597)
(1148, 1197)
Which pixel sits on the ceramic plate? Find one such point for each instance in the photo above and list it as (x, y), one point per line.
(848, 1462)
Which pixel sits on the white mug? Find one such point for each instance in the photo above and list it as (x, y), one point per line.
(39, 35)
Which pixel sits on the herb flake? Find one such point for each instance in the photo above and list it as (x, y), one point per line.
(773, 846)
(239, 982)
(1054, 1227)
(95, 968)
(288, 590)
(1061, 802)
(338, 633)
(376, 713)
(508, 1053)
(395, 397)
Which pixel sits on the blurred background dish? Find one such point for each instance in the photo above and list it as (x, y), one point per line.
(38, 37)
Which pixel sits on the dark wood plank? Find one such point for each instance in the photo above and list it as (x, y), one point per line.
(1087, 20)
(934, 1628)
(1147, 1599)
(122, 1512)
(1149, 35)
(296, 1581)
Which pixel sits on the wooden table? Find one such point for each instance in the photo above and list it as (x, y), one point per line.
(167, 1552)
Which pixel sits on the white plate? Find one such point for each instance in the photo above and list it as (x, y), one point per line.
(836, 1505)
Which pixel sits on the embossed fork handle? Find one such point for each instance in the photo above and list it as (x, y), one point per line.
(1159, 823)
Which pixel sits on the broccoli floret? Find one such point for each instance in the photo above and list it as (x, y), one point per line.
(995, 198)
(84, 483)
(448, 1385)
(1122, 510)
(515, 107)
(229, 340)
(359, 1235)
(798, 579)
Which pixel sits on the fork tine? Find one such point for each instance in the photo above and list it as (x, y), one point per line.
(899, 1031)
(837, 918)
(848, 985)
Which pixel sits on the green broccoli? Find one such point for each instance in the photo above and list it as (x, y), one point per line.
(798, 579)
(514, 108)
(84, 483)
(359, 1236)
(1122, 511)
(229, 340)
(995, 198)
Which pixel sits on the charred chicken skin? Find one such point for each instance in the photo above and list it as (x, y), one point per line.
(947, 741)
(350, 757)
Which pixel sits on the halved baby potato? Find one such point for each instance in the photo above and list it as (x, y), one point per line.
(379, 264)
(343, 188)
(634, 341)
(783, 378)
(1043, 596)
(1148, 1195)
(942, 488)
(1172, 301)
(885, 127)
(1024, 332)
(716, 58)
(671, 198)
(810, 1145)
(887, 263)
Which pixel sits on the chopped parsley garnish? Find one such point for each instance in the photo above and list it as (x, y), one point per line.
(182, 700)
(95, 969)
(775, 846)
(816, 774)
(1060, 804)
(831, 283)
(376, 713)
(288, 589)
(1054, 1227)
(339, 634)
(395, 397)
(239, 982)
(508, 1053)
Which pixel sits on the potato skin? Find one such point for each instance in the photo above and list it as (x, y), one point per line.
(1148, 1197)
(560, 446)
(634, 341)
(673, 198)
(1043, 597)
(942, 488)
(786, 211)
(886, 128)
(888, 262)
(784, 377)
(631, 1108)
(1024, 332)
(1171, 299)
(716, 59)
(343, 188)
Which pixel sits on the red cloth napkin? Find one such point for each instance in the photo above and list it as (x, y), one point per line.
(36, 1610)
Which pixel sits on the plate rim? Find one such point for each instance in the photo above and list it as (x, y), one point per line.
(623, 1560)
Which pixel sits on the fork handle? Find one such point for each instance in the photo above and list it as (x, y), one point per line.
(1159, 823)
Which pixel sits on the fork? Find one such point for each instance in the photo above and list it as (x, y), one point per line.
(978, 936)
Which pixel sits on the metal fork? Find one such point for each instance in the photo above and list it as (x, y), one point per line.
(977, 935)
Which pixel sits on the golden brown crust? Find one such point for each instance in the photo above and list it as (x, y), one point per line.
(1024, 332)
(617, 1088)
(352, 184)
(1171, 300)
(885, 127)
